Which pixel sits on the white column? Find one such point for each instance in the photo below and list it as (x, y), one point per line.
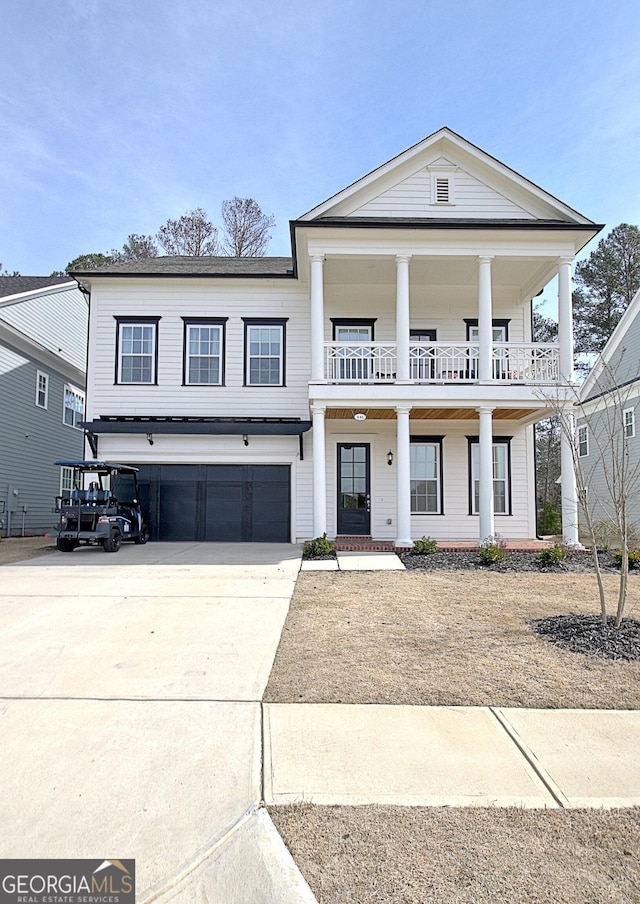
(485, 319)
(568, 487)
(485, 442)
(317, 317)
(565, 319)
(319, 472)
(402, 317)
(403, 477)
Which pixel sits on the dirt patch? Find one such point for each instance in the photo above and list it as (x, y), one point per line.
(395, 855)
(15, 549)
(445, 638)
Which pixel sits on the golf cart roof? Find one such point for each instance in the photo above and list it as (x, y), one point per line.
(92, 465)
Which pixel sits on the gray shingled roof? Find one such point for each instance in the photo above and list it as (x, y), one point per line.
(197, 266)
(16, 285)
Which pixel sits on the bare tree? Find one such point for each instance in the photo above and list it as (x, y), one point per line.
(191, 235)
(607, 476)
(246, 228)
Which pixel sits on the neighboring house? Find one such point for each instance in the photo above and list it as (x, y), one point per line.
(43, 341)
(607, 428)
(381, 382)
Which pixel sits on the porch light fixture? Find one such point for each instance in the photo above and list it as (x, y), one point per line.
(389, 457)
(245, 439)
(150, 438)
(359, 416)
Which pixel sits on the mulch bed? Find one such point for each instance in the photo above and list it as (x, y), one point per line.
(586, 634)
(575, 562)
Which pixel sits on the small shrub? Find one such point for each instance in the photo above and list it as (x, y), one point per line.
(551, 556)
(318, 547)
(634, 559)
(492, 550)
(549, 520)
(425, 546)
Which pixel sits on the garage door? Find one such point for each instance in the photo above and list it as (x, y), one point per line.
(217, 502)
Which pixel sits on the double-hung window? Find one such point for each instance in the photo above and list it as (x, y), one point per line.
(137, 350)
(264, 352)
(426, 475)
(629, 422)
(501, 461)
(73, 406)
(204, 352)
(42, 390)
(583, 441)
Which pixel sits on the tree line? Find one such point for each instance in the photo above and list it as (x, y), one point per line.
(245, 233)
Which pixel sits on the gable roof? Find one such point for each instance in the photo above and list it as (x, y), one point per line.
(590, 385)
(408, 175)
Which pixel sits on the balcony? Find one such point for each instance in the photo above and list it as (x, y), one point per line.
(441, 362)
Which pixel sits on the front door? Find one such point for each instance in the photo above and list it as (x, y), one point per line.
(354, 499)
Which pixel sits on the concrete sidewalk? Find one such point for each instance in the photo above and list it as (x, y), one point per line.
(355, 561)
(450, 756)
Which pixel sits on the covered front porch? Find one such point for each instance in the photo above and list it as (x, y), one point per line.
(458, 473)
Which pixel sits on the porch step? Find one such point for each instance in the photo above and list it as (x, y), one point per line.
(362, 544)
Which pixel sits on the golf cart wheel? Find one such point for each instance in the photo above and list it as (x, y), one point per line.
(65, 544)
(143, 536)
(113, 541)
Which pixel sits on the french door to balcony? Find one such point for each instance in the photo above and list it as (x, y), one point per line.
(354, 489)
(355, 361)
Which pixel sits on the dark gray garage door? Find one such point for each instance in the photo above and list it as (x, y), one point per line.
(217, 502)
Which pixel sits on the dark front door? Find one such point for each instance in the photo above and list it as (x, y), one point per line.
(354, 500)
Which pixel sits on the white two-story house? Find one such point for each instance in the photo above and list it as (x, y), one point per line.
(382, 382)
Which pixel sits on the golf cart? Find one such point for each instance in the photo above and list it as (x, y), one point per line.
(102, 508)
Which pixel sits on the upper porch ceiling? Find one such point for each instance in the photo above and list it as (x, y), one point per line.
(520, 276)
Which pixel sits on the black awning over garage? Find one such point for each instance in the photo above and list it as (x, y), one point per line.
(252, 426)
(225, 503)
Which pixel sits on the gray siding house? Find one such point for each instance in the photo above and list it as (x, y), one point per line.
(607, 429)
(43, 339)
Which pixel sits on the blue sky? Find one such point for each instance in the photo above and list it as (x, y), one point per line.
(117, 114)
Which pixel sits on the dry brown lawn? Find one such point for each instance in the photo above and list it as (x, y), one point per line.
(444, 638)
(396, 855)
(15, 549)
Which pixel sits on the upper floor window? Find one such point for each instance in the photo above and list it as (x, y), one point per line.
(501, 460)
(42, 390)
(73, 406)
(204, 352)
(629, 420)
(426, 475)
(583, 441)
(264, 352)
(137, 350)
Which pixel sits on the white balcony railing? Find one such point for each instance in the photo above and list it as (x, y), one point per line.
(441, 362)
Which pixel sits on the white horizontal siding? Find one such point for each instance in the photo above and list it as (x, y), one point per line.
(193, 299)
(57, 321)
(413, 198)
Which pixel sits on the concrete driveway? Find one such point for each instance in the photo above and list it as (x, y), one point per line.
(130, 689)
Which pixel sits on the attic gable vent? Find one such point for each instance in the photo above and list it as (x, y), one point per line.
(442, 190)
(442, 187)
